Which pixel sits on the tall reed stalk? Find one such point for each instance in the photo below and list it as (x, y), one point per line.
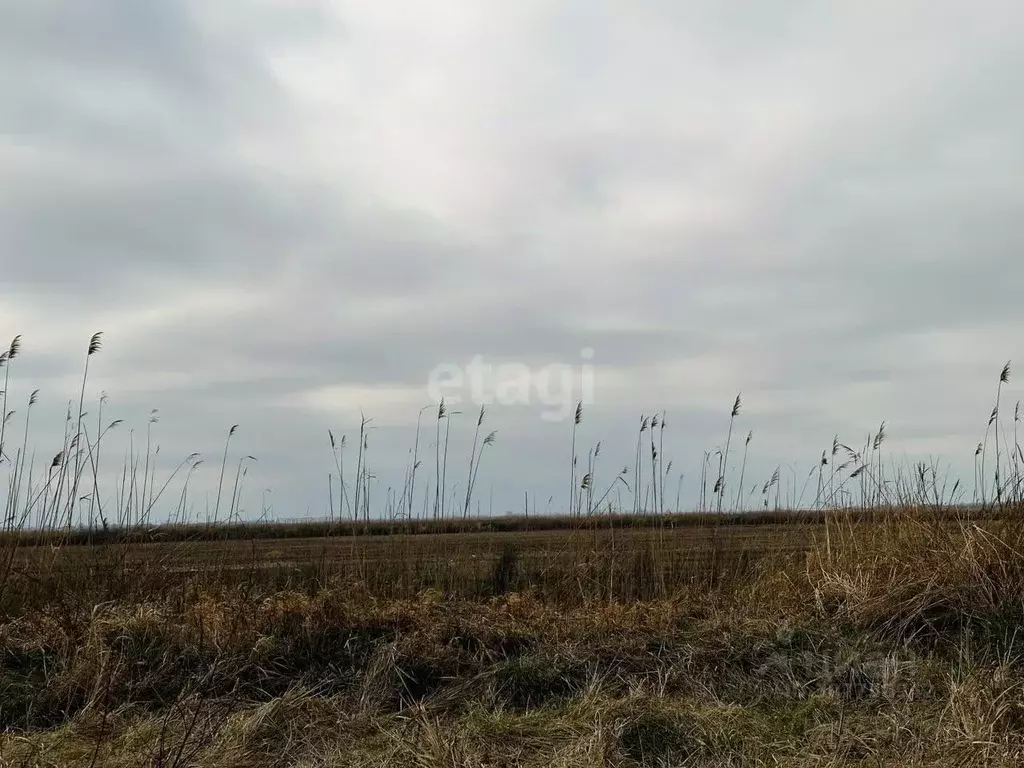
(223, 468)
(723, 466)
(441, 413)
(577, 418)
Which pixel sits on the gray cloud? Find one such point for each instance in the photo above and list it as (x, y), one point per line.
(279, 214)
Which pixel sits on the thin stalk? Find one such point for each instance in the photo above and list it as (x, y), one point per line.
(725, 459)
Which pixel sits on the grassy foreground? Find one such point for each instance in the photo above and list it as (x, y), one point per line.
(892, 642)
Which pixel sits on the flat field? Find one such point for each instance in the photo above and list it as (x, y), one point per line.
(837, 640)
(607, 559)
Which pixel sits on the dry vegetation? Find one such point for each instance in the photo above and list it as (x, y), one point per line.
(886, 633)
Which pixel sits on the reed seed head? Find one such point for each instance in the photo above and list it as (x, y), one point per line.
(879, 437)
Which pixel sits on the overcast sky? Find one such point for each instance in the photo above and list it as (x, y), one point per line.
(281, 213)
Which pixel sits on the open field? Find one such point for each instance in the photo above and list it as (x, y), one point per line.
(842, 644)
(596, 562)
(324, 529)
(879, 625)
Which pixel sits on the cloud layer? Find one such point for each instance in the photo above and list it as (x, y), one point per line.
(281, 214)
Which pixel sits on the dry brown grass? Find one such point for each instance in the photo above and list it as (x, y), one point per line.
(893, 642)
(908, 571)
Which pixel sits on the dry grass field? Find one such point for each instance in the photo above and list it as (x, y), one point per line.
(597, 562)
(895, 642)
(879, 628)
